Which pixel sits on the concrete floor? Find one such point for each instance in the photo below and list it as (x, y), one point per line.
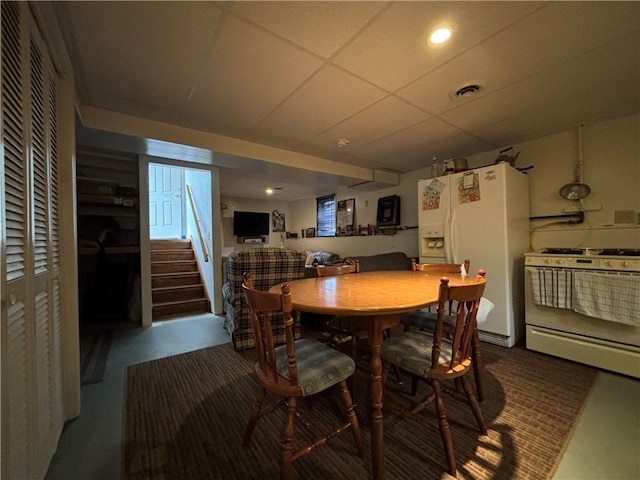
(605, 443)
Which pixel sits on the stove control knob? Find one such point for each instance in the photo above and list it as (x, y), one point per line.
(609, 263)
(548, 260)
(559, 261)
(626, 264)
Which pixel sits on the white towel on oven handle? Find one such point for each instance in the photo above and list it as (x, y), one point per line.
(612, 296)
(551, 287)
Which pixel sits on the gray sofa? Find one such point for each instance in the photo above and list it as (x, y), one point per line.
(368, 263)
(384, 261)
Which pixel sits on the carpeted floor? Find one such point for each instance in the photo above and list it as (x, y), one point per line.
(185, 415)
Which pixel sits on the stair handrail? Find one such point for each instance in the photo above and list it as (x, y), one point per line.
(203, 244)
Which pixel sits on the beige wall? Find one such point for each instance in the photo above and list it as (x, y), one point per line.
(611, 166)
(229, 243)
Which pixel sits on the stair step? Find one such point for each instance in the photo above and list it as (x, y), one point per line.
(172, 309)
(160, 280)
(171, 255)
(177, 293)
(173, 244)
(174, 266)
(176, 283)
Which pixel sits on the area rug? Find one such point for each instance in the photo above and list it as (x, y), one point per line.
(94, 353)
(185, 415)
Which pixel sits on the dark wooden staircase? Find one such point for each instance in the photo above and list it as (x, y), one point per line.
(177, 285)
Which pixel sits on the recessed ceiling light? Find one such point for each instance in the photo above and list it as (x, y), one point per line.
(272, 190)
(440, 35)
(342, 142)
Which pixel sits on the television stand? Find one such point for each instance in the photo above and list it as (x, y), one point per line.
(250, 239)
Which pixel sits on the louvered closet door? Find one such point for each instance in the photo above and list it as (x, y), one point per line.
(32, 415)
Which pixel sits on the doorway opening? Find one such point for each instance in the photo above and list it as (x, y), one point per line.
(180, 236)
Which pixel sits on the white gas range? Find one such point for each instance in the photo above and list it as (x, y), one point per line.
(584, 305)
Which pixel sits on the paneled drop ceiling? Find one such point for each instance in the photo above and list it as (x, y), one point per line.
(271, 80)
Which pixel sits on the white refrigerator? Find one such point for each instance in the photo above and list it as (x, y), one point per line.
(481, 215)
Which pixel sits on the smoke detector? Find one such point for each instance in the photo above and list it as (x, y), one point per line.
(342, 142)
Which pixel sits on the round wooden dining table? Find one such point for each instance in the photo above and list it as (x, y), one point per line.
(375, 301)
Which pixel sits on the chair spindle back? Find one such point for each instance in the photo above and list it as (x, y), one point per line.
(440, 267)
(261, 307)
(333, 270)
(467, 299)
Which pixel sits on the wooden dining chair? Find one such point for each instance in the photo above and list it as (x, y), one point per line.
(425, 319)
(340, 326)
(440, 267)
(439, 358)
(333, 270)
(299, 368)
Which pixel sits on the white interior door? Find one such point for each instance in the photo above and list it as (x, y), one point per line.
(166, 200)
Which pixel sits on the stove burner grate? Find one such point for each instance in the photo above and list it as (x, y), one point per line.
(617, 252)
(563, 251)
(623, 252)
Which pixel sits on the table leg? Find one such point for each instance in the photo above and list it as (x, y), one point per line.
(377, 445)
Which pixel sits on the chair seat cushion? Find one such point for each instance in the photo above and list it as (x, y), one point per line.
(427, 319)
(411, 351)
(319, 366)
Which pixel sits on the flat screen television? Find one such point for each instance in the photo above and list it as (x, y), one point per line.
(250, 224)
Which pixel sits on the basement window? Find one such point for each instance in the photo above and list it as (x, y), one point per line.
(326, 216)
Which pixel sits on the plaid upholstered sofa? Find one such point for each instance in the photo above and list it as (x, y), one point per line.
(268, 266)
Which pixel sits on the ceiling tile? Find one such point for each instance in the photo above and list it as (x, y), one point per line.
(329, 97)
(141, 50)
(299, 75)
(320, 27)
(292, 183)
(442, 149)
(393, 146)
(593, 70)
(394, 51)
(497, 62)
(249, 73)
(381, 119)
(551, 118)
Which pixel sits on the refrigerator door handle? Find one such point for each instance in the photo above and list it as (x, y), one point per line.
(447, 236)
(452, 238)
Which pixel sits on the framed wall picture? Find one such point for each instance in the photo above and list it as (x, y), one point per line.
(311, 232)
(345, 217)
(277, 221)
